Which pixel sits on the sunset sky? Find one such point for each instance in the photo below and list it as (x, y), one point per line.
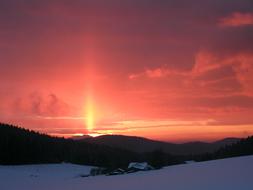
(173, 70)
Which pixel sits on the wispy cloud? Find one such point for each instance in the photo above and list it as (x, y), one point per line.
(158, 72)
(129, 125)
(237, 19)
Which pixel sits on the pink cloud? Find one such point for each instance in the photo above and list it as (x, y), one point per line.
(158, 72)
(240, 66)
(212, 75)
(237, 19)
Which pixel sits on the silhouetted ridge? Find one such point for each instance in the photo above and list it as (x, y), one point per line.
(142, 145)
(240, 148)
(22, 146)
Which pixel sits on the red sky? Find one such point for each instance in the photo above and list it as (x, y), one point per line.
(169, 70)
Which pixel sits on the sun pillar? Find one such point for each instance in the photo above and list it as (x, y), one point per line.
(90, 119)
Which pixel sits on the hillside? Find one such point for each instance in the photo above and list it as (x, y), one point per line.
(231, 174)
(240, 148)
(22, 146)
(141, 145)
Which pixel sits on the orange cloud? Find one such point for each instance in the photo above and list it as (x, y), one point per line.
(237, 19)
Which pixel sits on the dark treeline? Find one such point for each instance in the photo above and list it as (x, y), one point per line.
(241, 148)
(22, 146)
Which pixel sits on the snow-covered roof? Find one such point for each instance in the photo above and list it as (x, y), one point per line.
(138, 165)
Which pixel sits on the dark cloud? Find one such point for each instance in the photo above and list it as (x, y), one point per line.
(154, 32)
(38, 104)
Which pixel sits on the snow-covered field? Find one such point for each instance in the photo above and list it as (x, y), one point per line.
(227, 174)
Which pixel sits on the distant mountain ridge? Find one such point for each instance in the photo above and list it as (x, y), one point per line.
(23, 146)
(76, 138)
(141, 145)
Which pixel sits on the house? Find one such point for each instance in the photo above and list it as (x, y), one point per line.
(117, 172)
(138, 166)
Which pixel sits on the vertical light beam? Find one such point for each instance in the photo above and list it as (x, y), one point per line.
(90, 120)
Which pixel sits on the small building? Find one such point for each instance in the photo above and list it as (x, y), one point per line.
(139, 166)
(118, 171)
(97, 171)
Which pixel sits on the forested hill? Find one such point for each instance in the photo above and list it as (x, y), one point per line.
(22, 146)
(142, 145)
(241, 148)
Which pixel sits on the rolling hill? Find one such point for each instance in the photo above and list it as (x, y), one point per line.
(141, 145)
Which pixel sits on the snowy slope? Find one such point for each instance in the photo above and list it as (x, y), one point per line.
(227, 174)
